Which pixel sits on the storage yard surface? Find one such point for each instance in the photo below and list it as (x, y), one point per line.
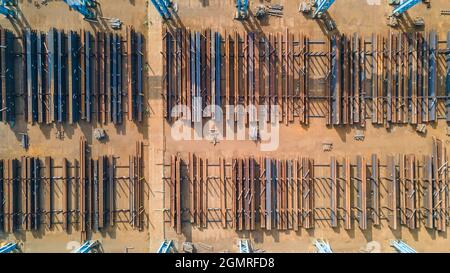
(296, 140)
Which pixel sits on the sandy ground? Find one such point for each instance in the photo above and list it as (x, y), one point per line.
(350, 16)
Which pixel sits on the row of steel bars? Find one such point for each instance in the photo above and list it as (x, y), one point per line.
(208, 69)
(28, 189)
(416, 185)
(279, 194)
(346, 96)
(68, 77)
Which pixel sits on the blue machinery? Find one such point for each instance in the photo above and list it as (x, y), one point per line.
(242, 9)
(9, 248)
(322, 246)
(166, 247)
(162, 6)
(321, 7)
(244, 246)
(84, 7)
(402, 247)
(7, 12)
(89, 247)
(404, 6)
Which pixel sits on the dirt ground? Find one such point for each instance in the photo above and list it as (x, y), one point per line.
(350, 16)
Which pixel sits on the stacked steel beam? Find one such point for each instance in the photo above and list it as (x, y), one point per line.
(273, 194)
(207, 68)
(74, 76)
(28, 189)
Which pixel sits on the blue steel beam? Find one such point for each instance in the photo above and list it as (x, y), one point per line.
(7, 12)
(405, 6)
(321, 7)
(87, 247)
(165, 247)
(8, 248)
(83, 7)
(242, 8)
(162, 6)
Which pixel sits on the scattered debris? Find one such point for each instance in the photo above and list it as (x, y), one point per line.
(418, 22)
(392, 21)
(60, 134)
(421, 128)
(359, 135)
(327, 146)
(262, 11)
(305, 7)
(115, 23)
(371, 247)
(330, 24)
(205, 246)
(258, 250)
(445, 12)
(188, 247)
(100, 134)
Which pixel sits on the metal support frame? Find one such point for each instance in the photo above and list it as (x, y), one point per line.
(244, 246)
(89, 247)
